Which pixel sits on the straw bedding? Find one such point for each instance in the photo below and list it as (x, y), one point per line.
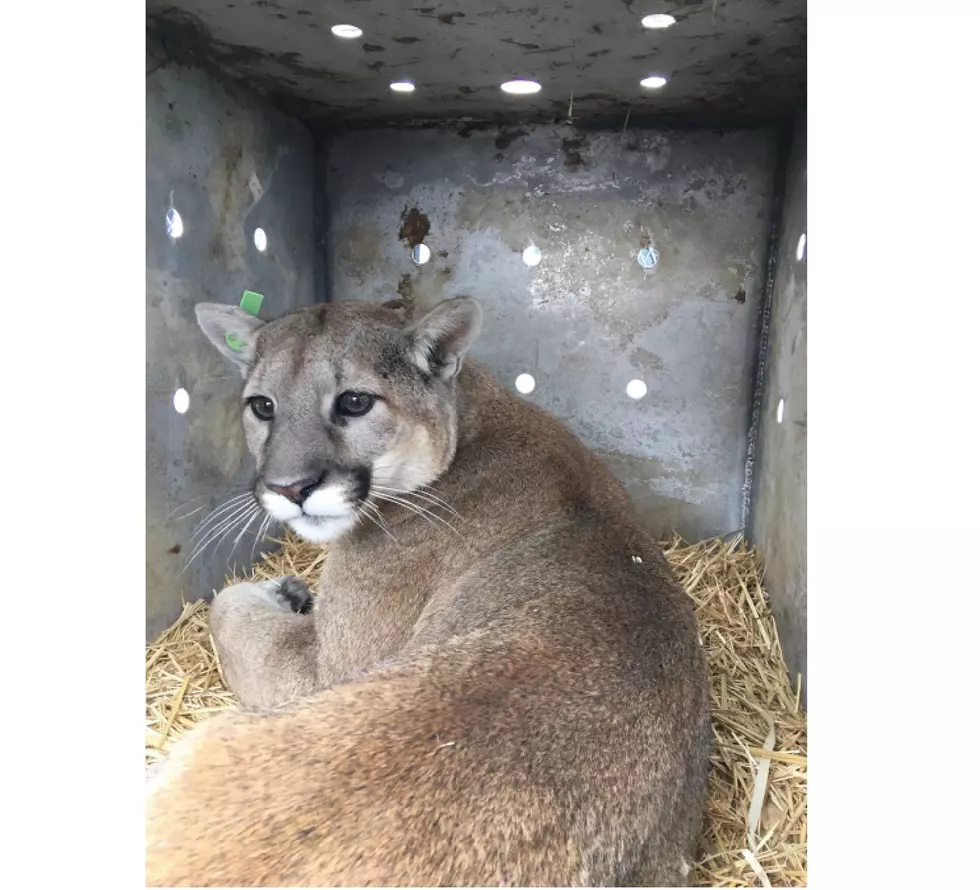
(754, 833)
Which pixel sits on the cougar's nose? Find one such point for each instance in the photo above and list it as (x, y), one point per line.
(299, 491)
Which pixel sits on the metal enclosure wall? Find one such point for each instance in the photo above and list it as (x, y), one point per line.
(228, 163)
(778, 525)
(584, 322)
(588, 319)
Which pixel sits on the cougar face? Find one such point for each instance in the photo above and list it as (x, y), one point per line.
(343, 399)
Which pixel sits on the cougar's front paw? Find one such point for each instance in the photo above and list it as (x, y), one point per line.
(295, 594)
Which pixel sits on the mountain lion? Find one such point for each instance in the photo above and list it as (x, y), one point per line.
(498, 681)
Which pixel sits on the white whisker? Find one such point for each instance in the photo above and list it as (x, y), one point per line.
(248, 516)
(251, 519)
(428, 488)
(421, 488)
(223, 525)
(425, 496)
(183, 504)
(229, 506)
(379, 520)
(184, 516)
(415, 508)
(376, 519)
(226, 525)
(260, 535)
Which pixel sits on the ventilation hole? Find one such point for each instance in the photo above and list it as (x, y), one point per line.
(421, 254)
(182, 401)
(636, 389)
(175, 225)
(658, 22)
(403, 86)
(348, 32)
(521, 87)
(261, 242)
(531, 255)
(779, 411)
(801, 247)
(525, 384)
(648, 257)
(653, 82)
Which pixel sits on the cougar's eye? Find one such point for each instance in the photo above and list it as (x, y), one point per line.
(354, 404)
(262, 407)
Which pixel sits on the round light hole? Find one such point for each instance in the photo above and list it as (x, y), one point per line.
(261, 242)
(636, 389)
(801, 247)
(403, 86)
(182, 401)
(648, 257)
(653, 82)
(658, 21)
(779, 411)
(348, 32)
(420, 254)
(175, 225)
(524, 383)
(531, 255)
(521, 87)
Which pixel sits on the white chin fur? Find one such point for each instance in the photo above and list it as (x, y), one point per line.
(331, 501)
(279, 507)
(323, 529)
(325, 515)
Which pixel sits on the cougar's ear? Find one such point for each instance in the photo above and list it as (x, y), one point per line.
(397, 305)
(441, 338)
(231, 330)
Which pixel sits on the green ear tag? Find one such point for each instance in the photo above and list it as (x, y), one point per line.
(234, 342)
(251, 302)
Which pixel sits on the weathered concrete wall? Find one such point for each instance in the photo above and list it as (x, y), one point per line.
(228, 164)
(588, 319)
(778, 524)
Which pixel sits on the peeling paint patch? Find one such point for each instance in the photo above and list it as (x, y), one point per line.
(415, 227)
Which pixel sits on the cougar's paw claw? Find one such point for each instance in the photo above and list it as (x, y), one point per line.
(294, 593)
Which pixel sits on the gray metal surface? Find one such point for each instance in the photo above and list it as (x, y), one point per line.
(723, 57)
(211, 152)
(588, 319)
(778, 521)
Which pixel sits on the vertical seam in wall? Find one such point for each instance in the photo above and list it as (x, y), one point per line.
(321, 216)
(763, 324)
